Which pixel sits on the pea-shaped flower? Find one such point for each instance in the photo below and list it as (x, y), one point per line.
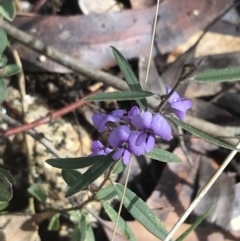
(177, 105)
(99, 149)
(134, 111)
(101, 120)
(123, 140)
(151, 126)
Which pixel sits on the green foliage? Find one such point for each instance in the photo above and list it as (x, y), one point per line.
(194, 225)
(3, 205)
(162, 155)
(120, 96)
(122, 225)
(7, 174)
(129, 75)
(54, 223)
(141, 212)
(3, 90)
(3, 61)
(120, 166)
(7, 9)
(218, 75)
(3, 40)
(71, 176)
(74, 163)
(10, 70)
(201, 134)
(107, 193)
(5, 188)
(38, 192)
(91, 174)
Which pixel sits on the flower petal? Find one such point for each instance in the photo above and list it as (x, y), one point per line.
(126, 157)
(118, 113)
(118, 136)
(134, 111)
(98, 119)
(161, 127)
(174, 97)
(135, 149)
(141, 139)
(118, 154)
(150, 143)
(182, 105)
(142, 121)
(96, 145)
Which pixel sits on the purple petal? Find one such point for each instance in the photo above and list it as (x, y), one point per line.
(126, 157)
(142, 121)
(161, 127)
(118, 113)
(96, 145)
(150, 143)
(174, 97)
(141, 139)
(118, 136)
(98, 119)
(135, 149)
(118, 154)
(178, 113)
(134, 111)
(182, 105)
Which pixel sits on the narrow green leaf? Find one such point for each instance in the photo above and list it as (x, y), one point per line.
(3, 60)
(3, 40)
(162, 155)
(10, 70)
(71, 176)
(77, 233)
(141, 212)
(106, 193)
(3, 205)
(194, 225)
(54, 223)
(91, 174)
(7, 9)
(90, 234)
(122, 225)
(38, 192)
(119, 95)
(5, 188)
(3, 90)
(83, 227)
(120, 166)
(74, 163)
(7, 174)
(201, 134)
(129, 75)
(218, 75)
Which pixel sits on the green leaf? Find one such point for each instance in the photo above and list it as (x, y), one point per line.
(77, 233)
(38, 192)
(141, 212)
(90, 233)
(54, 224)
(10, 70)
(201, 134)
(129, 75)
(3, 60)
(74, 163)
(7, 9)
(7, 174)
(3, 90)
(119, 95)
(71, 176)
(194, 225)
(3, 40)
(122, 225)
(3, 205)
(80, 230)
(5, 188)
(91, 174)
(162, 155)
(106, 193)
(218, 75)
(120, 166)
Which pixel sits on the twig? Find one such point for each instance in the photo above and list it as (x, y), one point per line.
(62, 58)
(49, 117)
(34, 135)
(202, 193)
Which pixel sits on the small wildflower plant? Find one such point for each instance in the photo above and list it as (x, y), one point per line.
(131, 132)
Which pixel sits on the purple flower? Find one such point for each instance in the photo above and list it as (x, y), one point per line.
(134, 111)
(99, 149)
(177, 104)
(124, 141)
(100, 120)
(151, 126)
